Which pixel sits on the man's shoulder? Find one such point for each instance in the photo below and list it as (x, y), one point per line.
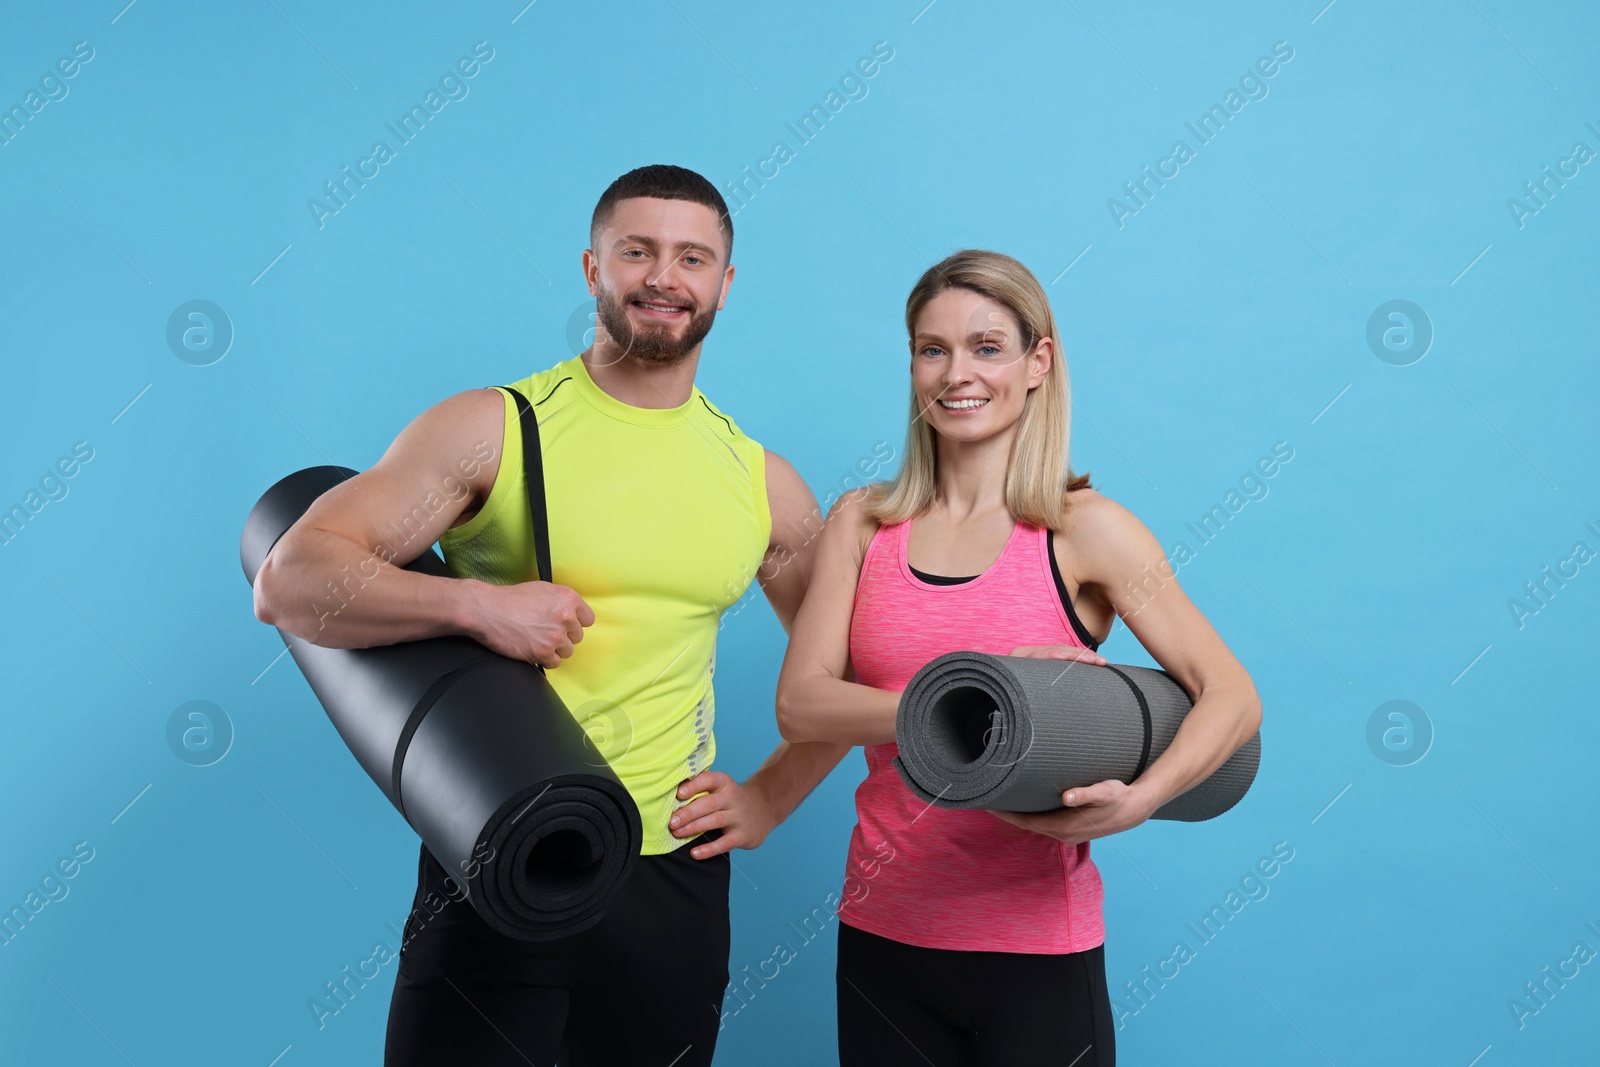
(542, 385)
(719, 419)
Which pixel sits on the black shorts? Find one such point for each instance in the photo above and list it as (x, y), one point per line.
(644, 986)
(904, 1004)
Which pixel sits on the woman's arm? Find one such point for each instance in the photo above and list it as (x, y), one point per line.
(1227, 709)
(1119, 559)
(815, 702)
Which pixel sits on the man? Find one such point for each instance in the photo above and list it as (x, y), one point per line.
(661, 512)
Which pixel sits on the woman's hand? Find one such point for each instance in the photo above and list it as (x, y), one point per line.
(742, 812)
(1076, 652)
(1092, 811)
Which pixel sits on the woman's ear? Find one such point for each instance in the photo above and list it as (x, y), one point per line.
(1039, 360)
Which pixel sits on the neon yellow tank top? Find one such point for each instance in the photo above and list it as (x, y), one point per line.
(659, 521)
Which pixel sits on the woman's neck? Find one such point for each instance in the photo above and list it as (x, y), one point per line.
(972, 475)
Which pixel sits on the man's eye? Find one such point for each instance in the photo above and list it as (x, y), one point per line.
(693, 261)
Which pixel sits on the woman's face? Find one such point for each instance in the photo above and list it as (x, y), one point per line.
(968, 367)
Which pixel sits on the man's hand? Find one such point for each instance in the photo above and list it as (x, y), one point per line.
(1092, 811)
(535, 622)
(742, 812)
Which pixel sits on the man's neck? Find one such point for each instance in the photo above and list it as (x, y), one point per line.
(643, 385)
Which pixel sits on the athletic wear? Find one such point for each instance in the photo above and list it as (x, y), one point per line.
(659, 521)
(1061, 593)
(905, 1005)
(959, 879)
(643, 987)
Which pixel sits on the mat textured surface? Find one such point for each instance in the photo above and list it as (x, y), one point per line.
(1011, 733)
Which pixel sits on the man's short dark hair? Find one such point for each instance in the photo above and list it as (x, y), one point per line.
(663, 181)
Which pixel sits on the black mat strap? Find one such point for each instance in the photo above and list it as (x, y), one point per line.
(533, 472)
(1144, 710)
(414, 720)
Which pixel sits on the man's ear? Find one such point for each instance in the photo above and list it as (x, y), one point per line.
(591, 272)
(727, 280)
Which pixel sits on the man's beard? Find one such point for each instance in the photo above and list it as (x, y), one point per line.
(653, 344)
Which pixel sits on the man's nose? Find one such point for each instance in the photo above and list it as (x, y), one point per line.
(667, 277)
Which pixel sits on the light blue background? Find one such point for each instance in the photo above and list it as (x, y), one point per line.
(1228, 314)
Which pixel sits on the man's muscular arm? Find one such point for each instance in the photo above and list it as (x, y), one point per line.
(747, 813)
(336, 577)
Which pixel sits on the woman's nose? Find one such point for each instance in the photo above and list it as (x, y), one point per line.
(958, 370)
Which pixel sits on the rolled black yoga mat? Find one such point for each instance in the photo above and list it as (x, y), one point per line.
(1011, 733)
(475, 750)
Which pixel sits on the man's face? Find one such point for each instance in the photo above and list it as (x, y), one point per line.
(659, 275)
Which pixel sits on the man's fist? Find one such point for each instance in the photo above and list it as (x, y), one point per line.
(535, 622)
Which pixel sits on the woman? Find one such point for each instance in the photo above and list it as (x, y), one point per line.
(965, 936)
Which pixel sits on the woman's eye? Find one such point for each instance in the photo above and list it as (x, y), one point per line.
(933, 350)
(988, 350)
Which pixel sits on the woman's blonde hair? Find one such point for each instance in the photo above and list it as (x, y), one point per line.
(1038, 472)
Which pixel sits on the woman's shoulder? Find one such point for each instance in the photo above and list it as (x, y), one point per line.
(1093, 517)
(851, 518)
(1099, 536)
(1081, 500)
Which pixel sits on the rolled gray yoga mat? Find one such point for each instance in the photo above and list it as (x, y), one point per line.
(1011, 733)
(475, 750)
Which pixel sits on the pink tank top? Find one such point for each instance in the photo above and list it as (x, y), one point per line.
(942, 878)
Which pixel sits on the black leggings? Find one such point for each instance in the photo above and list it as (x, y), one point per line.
(643, 987)
(903, 1004)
